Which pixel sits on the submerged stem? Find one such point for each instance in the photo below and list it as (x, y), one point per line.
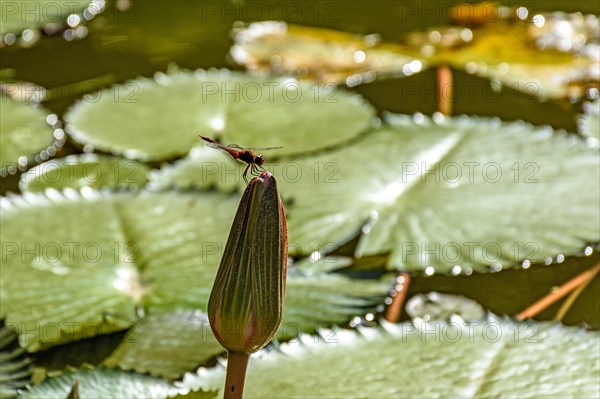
(574, 295)
(237, 364)
(394, 310)
(445, 89)
(554, 296)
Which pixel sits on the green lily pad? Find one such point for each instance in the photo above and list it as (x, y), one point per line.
(89, 352)
(203, 167)
(488, 359)
(439, 197)
(166, 345)
(102, 383)
(322, 54)
(518, 55)
(198, 395)
(96, 257)
(317, 301)
(84, 270)
(160, 119)
(589, 123)
(15, 370)
(317, 264)
(170, 344)
(20, 91)
(24, 20)
(545, 55)
(25, 135)
(87, 170)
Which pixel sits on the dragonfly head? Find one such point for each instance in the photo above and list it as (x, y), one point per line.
(259, 160)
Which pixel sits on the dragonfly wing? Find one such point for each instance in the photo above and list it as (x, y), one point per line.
(215, 145)
(264, 148)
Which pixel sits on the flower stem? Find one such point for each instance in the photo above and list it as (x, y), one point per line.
(237, 364)
(573, 297)
(445, 92)
(554, 296)
(394, 309)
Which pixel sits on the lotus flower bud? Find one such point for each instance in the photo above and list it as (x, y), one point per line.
(246, 302)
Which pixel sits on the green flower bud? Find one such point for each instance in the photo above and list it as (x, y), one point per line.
(246, 302)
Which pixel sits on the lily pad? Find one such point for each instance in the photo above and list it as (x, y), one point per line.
(166, 345)
(98, 259)
(159, 119)
(203, 167)
(82, 267)
(102, 383)
(15, 366)
(317, 301)
(546, 55)
(589, 124)
(506, 52)
(87, 170)
(317, 264)
(26, 136)
(439, 197)
(491, 358)
(322, 54)
(20, 91)
(170, 344)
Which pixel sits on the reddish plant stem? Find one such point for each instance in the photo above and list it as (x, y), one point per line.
(394, 309)
(546, 301)
(564, 308)
(445, 89)
(237, 364)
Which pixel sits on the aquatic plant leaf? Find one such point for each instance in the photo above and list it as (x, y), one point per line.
(87, 170)
(166, 345)
(170, 344)
(546, 56)
(198, 395)
(203, 167)
(490, 358)
(97, 256)
(507, 53)
(438, 197)
(25, 136)
(324, 55)
(102, 383)
(317, 301)
(90, 262)
(171, 110)
(15, 365)
(89, 352)
(332, 263)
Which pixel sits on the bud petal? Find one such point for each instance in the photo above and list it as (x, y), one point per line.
(246, 302)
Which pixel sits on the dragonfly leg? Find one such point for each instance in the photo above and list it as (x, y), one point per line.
(258, 169)
(245, 173)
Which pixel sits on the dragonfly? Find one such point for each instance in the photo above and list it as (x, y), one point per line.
(247, 155)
